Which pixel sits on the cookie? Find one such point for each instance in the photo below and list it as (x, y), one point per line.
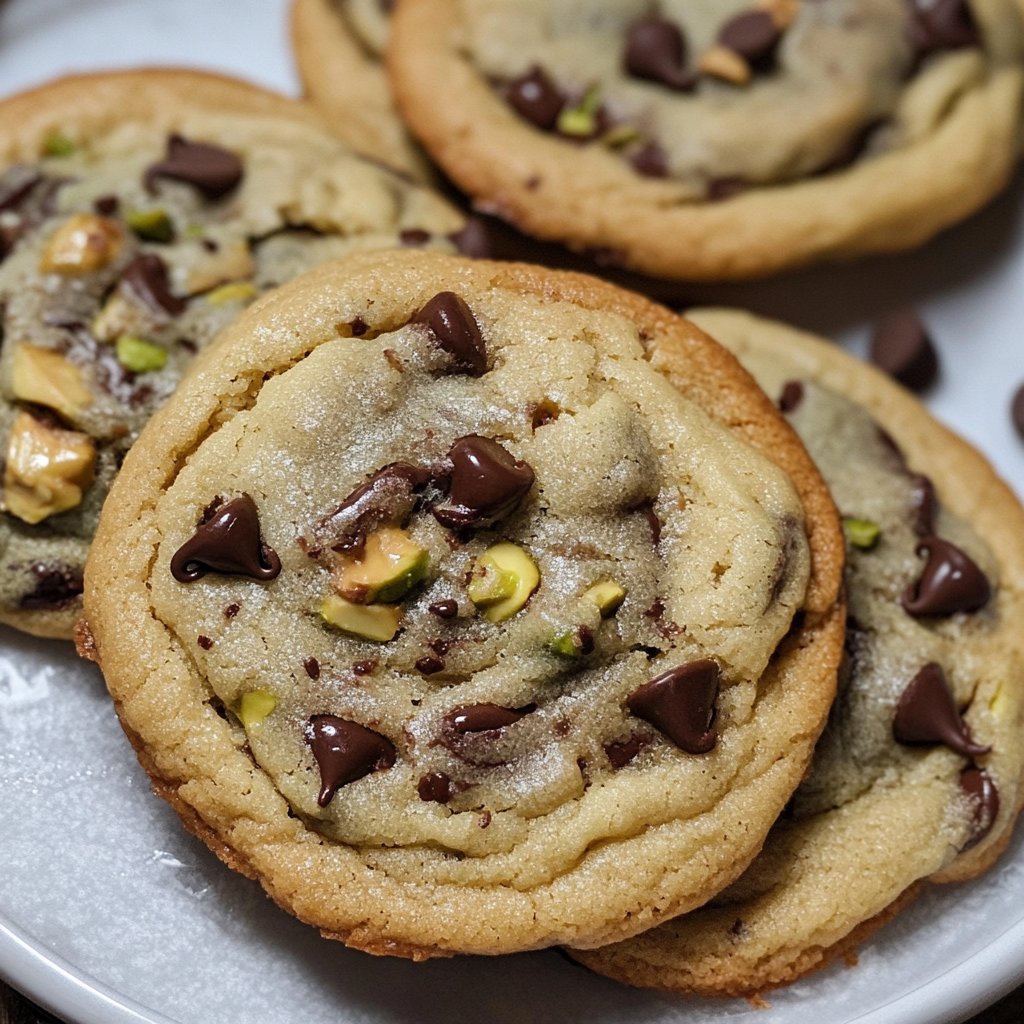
(918, 774)
(713, 141)
(140, 212)
(438, 609)
(339, 47)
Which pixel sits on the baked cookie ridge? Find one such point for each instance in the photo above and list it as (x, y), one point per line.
(461, 605)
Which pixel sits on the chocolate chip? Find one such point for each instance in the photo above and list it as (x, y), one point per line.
(980, 788)
(210, 169)
(487, 483)
(720, 189)
(681, 703)
(232, 610)
(364, 668)
(473, 239)
(106, 206)
(435, 787)
(56, 586)
(1017, 411)
(228, 542)
(924, 505)
(791, 397)
(656, 51)
(147, 277)
(312, 667)
(444, 609)
(204, 641)
(902, 347)
(927, 713)
(942, 25)
(345, 751)
(429, 664)
(650, 160)
(951, 582)
(477, 718)
(453, 325)
(414, 237)
(535, 97)
(753, 35)
(358, 327)
(621, 752)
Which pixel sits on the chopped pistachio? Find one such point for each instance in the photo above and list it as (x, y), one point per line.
(607, 595)
(569, 643)
(581, 120)
(619, 136)
(152, 225)
(254, 706)
(369, 621)
(504, 577)
(46, 469)
(83, 243)
(139, 355)
(58, 144)
(238, 291)
(45, 377)
(861, 533)
(389, 565)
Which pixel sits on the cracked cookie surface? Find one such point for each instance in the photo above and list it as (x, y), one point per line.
(461, 605)
(918, 774)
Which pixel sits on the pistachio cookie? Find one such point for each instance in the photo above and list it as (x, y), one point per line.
(140, 212)
(431, 603)
(339, 51)
(918, 774)
(721, 138)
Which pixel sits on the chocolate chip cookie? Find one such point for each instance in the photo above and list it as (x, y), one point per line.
(918, 774)
(140, 213)
(339, 52)
(470, 607)
(723, 139)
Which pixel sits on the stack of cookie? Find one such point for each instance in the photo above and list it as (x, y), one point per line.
(479, 607)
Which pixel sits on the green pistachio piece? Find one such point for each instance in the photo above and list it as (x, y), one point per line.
(570, 643)
(861, 533)
(619, 136)
(581, 119)
(139, 355)
(390, 564)
(607, 595)
(152, 225)
(237, 291)
(254, 706)
(377, 622)
(58, 144)
(504, 577)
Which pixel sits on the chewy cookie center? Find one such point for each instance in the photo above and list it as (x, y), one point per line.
(463, 576)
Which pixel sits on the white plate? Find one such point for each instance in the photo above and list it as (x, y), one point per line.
(110, 914)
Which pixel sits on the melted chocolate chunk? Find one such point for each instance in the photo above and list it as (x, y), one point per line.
(927, 714)
(147, 277)
(981, 790)
(1017, 411)
(754, 36)
(477, 718)
(312, 667)
(473, 239)
(656, 51)
(228, 542)
(389, 496)
(453, 325)
(681, 703)
(429, 664)
(621, 752)
(345, 751)
(951, 582)
(56, 587)
(535, 97)
(650, 160)
(902, 347)
(213, 171)
(444, 609)
(942, 25)
(923, 505)
(791, 397)
(487, 484)
(435, 787)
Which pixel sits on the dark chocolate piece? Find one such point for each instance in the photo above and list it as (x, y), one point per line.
(951, 582)
(535, 97)
(924, 505)
(429, 664)
(232, 610)
(902, 347)
(1017, 411)
(56, 587)
(753, 35)
(475, 718)
(147, 277)
(445, 608)
(414, 238)
(364, 668)
(210, 169)
(720, 189)
(681, 703)
(204, 641)
(106, 206)
(16, 185)
(228, 542)
(927, 714)
(345, 751)
(473, 239)
(650, 160)
(487, 484)
(435, 787)
(792, 395)
(942, 25)
(453, 325)
(981, 790)
(656, 50)
(312, 667)
(621, 752)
